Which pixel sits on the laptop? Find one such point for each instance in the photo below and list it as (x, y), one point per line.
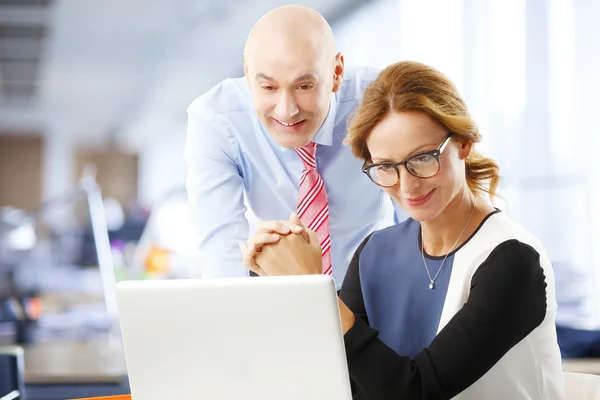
(234, 338)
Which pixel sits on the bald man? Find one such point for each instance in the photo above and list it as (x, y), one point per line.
(251, 143)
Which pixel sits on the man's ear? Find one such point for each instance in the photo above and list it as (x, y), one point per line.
(246, 71)
(338, 72)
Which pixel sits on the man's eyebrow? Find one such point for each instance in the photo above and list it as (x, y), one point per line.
(305, 77)
(260, 75)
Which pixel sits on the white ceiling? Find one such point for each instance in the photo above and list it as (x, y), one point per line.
(129, 68)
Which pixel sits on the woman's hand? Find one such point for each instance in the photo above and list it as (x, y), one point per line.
(292, 255)
(269, 232)
(346, 316)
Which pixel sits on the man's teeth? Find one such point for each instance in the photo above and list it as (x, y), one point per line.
(291, 124)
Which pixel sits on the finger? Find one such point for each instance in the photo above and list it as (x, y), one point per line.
(295, 220)
(261, 238)
(264, 260)
(279, 227)
(294, 227)
(247, 255)
(248, 261)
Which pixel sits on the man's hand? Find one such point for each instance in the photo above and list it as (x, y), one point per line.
(269, 232)
(291, 255)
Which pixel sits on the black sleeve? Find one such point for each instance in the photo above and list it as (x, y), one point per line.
(351, 292)
(507, 301)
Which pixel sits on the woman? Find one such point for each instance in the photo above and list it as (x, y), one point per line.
(457, 301)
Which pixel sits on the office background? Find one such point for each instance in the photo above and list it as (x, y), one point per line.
(95, 92)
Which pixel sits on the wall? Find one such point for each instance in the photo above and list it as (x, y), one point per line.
(21, 171)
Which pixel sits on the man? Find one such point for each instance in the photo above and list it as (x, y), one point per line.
(251, 141)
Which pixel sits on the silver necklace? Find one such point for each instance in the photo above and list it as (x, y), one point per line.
(432, 280)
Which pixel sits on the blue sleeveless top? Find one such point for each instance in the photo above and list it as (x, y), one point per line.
(403, 308)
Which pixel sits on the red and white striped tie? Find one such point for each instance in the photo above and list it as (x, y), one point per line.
(313, 209)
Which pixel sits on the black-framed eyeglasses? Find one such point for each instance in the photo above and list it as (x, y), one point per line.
(423, 165)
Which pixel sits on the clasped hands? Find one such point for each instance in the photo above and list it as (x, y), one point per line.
(282, 248)
(288, 248)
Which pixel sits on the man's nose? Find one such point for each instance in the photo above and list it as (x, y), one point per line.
(286, 107)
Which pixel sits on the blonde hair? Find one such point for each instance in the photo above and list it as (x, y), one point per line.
(412, 86)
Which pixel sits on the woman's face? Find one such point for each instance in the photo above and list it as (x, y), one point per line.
(402, 135)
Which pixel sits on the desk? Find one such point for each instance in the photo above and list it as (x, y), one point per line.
(582, 365)
(71, 369)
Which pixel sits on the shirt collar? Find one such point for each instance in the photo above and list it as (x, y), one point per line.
(324, 135)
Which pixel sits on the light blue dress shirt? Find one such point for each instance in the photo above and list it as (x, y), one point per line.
(238, 175)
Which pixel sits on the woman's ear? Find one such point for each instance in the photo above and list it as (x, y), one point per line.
(464, 149)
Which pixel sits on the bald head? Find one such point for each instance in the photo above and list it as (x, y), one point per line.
(291, 27)
(292, 68)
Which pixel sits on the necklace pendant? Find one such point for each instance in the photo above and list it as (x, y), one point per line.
(431, 285)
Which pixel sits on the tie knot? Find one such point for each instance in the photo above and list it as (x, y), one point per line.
(308, 155)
